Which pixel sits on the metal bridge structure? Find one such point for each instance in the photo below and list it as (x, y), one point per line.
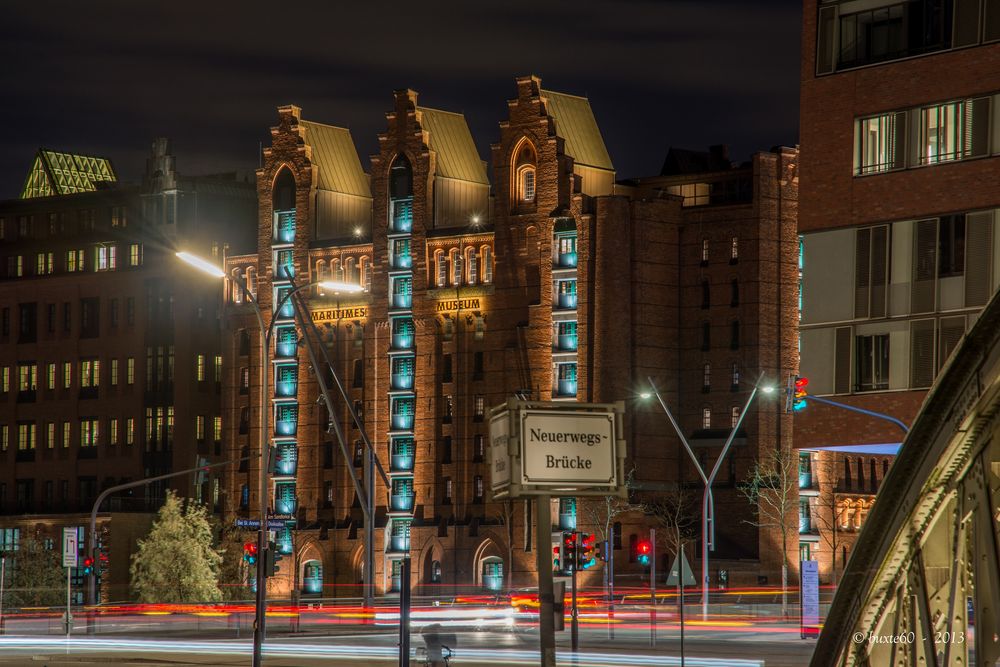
(922, 587)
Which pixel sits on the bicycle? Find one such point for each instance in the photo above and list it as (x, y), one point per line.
(424, 660)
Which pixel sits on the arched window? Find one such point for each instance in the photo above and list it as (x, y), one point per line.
(237, 291)
(366, 273)
(400, 178)
(283, 206)
(251, 278)
(493, 573)
(312, 577)
(487, 260)
(349, 275)
(524, 162)
(320, 269)
(436, 572)
(456, 267)
(472, 266)
(441, 268)
(335, 274)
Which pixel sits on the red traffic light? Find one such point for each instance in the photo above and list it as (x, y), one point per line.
(644, 547)
(250, 548)
(88, 562)
(801, 382)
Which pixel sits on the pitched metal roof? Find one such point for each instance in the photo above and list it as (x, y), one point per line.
(54, 173)
(336, 158)
(450, 138)
(576, 124)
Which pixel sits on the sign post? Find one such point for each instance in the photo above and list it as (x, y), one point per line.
(809, 599)
(69, 561)
(547, 449)
(652, 587)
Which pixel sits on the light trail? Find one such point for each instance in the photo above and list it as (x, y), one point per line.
(356, 652)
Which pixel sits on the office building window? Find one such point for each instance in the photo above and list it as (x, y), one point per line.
(447, 491)
(706, 418)
(478, 489)
(135, 254)
(50, 435)
(478, 447)
(4, 437)
(951, 245)
(67, 374)
(735, 375)
(954, 131)
(25, 436)
(217, 367)
(734, 416)
(479, 407)
(871, 362)
(90, 373)
(130, 431)
(27, 377)
(130, 371)
(199, 427)
(449, 409)
(706, 376)
(113, 431)
(89, 432)
(200, 368)
(734, 249)
(704, 251)
(65, 435)
(114, 373)
(217, 429)
(879, 143)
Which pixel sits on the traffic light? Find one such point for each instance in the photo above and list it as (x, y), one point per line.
(271, 560)
(557, 557)
(569, 552)
(88, 565)
(587, 554)
(250, 553)
(795, 394)
(602, 551)
(643, 552)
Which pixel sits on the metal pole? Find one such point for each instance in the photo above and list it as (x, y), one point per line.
(546, 601)
(404, 612)
(69, 616)
(611, 586)
(3, 574)
(260, 607)
(680, 587)
(652, 588)
(574, 628)
(369, 500)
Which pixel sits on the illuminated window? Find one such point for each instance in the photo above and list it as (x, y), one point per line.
(217, 429)
(200, 368)
(65, 434)
(199, 427)
(74, 261)
(50, 376)
(526, 184)
(706, 418)
(89, 432)
(456, 267)
(130, 431)
(441, 267)
(27, 377)
(106, 258)
(878, 143)
(90, 373)
(67, 374)
(706, 376)
(135, 254)
(735, 416)
(704, 251)
(736, 374)
(113, 431)
(4, 437)
(50, 435)
(487, 264)
(26, 436)
(130, 370)
(218, 368)
(734, 249)
(114, 373)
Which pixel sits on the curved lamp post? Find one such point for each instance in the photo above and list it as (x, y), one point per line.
(266, 332)
(707, 505)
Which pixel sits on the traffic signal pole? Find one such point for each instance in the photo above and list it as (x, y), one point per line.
(652, 587)
(574, 614)
(543, 566)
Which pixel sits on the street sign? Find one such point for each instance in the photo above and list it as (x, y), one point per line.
(560, 448)
(70, 547)
(685, 567)
(541, 448)
(272, 524)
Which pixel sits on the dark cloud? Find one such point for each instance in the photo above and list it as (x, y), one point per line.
(106, 77)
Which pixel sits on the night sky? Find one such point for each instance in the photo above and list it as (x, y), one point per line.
(105, 77)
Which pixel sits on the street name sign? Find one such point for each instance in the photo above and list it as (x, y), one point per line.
(539, 448)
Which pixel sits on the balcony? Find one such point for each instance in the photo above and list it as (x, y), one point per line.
(399, 544)
(402, 341)
(566, 302)
(401, 261)
(287, 310)
(566, 388)
(566, 342)
(401, 502)
(402, 301)
(287, 460)
(566, 260)
(285, 505)
(402, 422)
(401, 381)
(287, 383)
(401, 463)
(286, 422)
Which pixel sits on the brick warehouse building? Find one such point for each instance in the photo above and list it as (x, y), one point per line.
(548, 280)
(898, 221)
(110, 355)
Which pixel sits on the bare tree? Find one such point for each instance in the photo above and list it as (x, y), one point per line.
(675, 512)
(505, 517)
(825, 513)
(602, 512)
(772, 487)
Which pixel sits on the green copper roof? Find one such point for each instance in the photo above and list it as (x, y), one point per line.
(576, 124)
(64, 173)
(449, 137)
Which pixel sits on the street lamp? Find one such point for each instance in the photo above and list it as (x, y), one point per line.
(266, 332)
(707, 505)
